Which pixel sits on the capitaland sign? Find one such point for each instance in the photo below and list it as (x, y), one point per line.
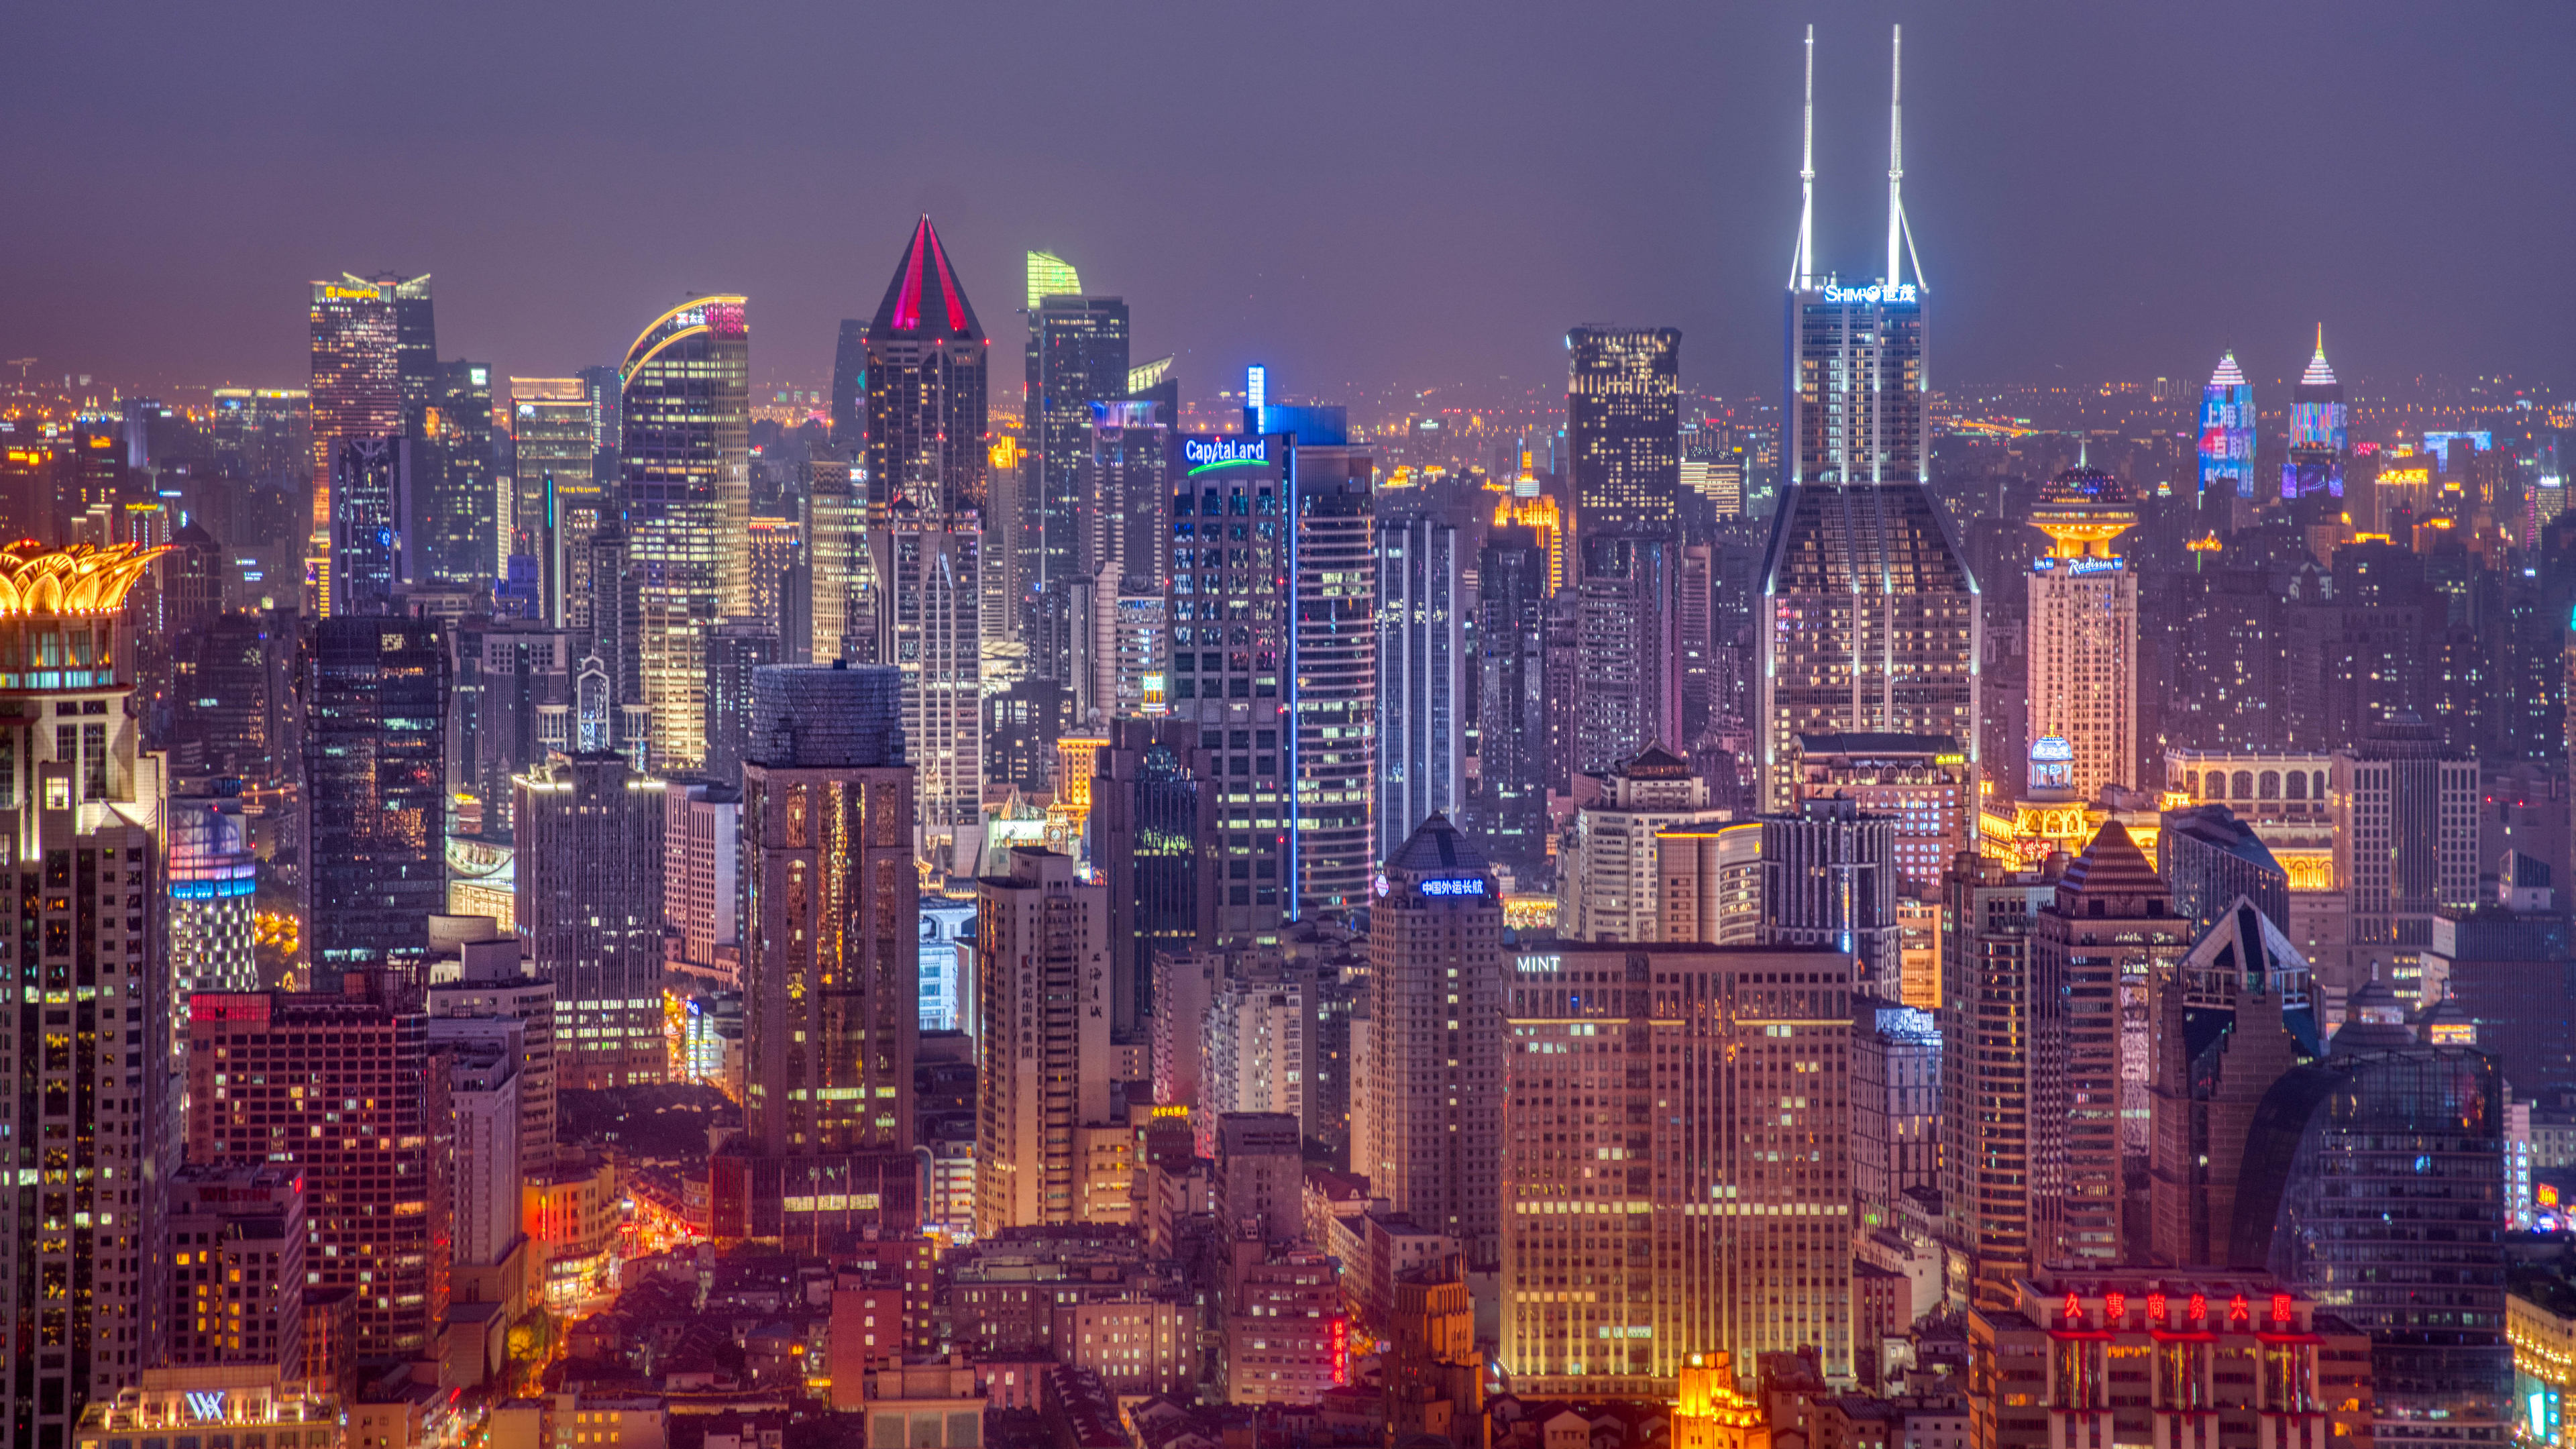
(1870, 296)
(1205, 453)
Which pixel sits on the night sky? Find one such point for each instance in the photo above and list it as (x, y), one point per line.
(1365, 195)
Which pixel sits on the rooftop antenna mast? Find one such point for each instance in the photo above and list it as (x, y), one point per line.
(1802, 266)
(1898, 232)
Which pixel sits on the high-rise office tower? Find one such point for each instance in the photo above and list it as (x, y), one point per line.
(1432, 1070)
(1896, 1107)
(1627, 677)
(685, 477)
(2235, 1016)
(2376, 1173)
(1920, 781)
(1274, 662)
(89, 1086)
(850, 387)
(415, 338)
(928, 630)
(588, 836)
(484, 1082)
(512, 705)
(926, 363)
(1676, 1125)
(457, 513)
(559, 502)
(1829, 883)
(830, 961)
(369, 558)
(357, 390)
(1509, 811)
(735, 648)
(378, 1181)
(1710, 875)
(2110, 929)
(1120, 635)
(1623, 429)
(375, 805)
(2406, 845)
(1426, 675)
(213, 873)
(840, 607)
(2319, 441)
(237, 1237)
(2227, 423)
(776, 546)
(1986, 1089)
(2084, 630)
(1077, 355)
(1042, 1011)
(1869, 615)
(700, 835)
(1153, 800)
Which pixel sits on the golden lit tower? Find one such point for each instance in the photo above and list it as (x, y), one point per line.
(2084, 629)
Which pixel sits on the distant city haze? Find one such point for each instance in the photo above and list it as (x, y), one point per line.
(1370, 198)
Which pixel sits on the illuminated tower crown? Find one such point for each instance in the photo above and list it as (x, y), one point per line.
(2082, 510)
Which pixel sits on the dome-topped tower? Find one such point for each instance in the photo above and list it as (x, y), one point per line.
(2082, 510)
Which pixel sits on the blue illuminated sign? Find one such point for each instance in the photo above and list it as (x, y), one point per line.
(1901, 292)
(1453, 887)
(1203, 454)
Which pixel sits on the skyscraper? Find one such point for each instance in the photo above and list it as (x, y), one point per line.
(559, 502)
(1869, 615)
(1153, 800)
(89, 1090)
(1431, 1142)
(1512, 585)
(830, 964)
(850, 386)
(1077, 355)
(458, 514)
(375, 805)
(2227, 423)
(926, 362)
(1042, 1011)
(928, 629)
(369, 555)
(685, 468)
(1829, 883)
(2406, 845)
(1627, 675)
(1623, 428)
(2084, 630)
(588, 834)
(1986, 1090)
(213, 875)
(357, 391)
(2319, 442)
(1274, 660)
(1426, 675)
(1676, 1141)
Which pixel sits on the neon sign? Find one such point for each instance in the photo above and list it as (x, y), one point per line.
(207, 1407)
(1453, 887)
(1206, 453)
(1339, 1335)
(1901, 292)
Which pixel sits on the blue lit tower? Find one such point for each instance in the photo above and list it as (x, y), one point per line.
(2318, 432)
(1869, 613)
(2227, 432)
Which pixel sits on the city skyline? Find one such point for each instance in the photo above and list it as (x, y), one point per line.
(2088, 247)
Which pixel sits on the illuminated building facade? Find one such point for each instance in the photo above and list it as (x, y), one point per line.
(926, 359)
(1919, 781)
(1077, 357)
(830, 959)
(2406, 845)
(1829, 883)
(356, 390)
(1154, 800)
(589, 848)
(268, 1075)
(1042, 1012)
(1610, 880)
(1509, 809)
(1628, 655)
(1869, 616)
(1623, 428)
(2083, 642)
(685, 477)
(1425, 675)
(237, 1240)
(1430, 1140)
(370, 554)
(2320, 444)
(213, 875)
(2227, 430)
(2082, 1358)
(375, 806)
(1676, 1136)
(928, 629)
(1986, 1022)
(559, 501)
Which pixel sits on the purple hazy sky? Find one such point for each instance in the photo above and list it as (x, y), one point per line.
(1365, 195)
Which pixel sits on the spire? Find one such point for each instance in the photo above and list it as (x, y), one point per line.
(924, 296)
(2318, 374)
(1898, 231)
(1802, 267)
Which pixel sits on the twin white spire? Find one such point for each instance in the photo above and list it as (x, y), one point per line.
(1900, 235)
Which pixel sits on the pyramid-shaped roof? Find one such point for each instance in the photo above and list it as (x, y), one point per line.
(924, 299)
(1437, 847)
(2111, 866)
(2318, 374)
(2228, 373)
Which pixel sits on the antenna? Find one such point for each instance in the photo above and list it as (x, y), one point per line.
(1895, 149)
(1802, 266)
